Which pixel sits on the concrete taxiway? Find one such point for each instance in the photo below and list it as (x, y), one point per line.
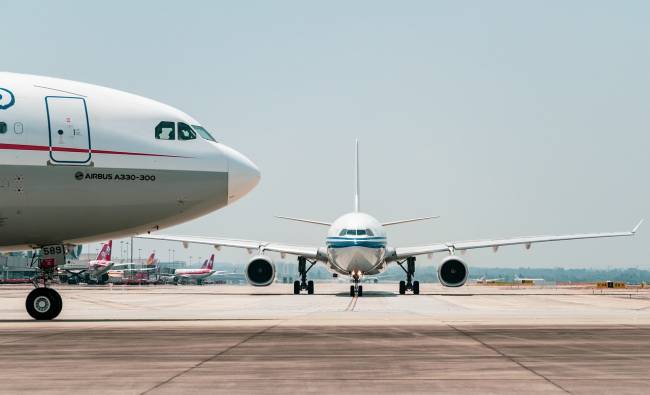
(239, 339)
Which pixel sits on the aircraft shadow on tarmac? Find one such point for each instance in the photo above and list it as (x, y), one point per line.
(369, 294)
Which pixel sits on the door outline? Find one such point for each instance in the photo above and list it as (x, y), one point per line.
(49, 127)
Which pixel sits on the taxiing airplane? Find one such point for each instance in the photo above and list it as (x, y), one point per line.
(197, 275)
(82, 163)
(356, 245)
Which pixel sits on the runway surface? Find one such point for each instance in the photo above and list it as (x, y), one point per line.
(239, 339)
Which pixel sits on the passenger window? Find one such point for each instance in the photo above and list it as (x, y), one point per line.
(185, 132)
(3, 128)
(166, 131)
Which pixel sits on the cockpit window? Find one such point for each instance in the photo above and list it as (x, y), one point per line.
(166, 131)
(369, 232)
(3, 128)
(185, 132)
(343, 232)
(203, 133)
(361, 232)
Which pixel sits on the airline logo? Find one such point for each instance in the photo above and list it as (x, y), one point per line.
(105, 253)
(7, 99)
(152, 259)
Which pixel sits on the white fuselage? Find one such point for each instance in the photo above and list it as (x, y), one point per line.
(81, 163)
(356, 245)
(194, 274)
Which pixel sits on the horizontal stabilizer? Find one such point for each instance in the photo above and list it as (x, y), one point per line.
(408, 220)
(309, 221)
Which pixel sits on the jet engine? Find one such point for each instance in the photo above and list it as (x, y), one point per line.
(452, 272)
(260, 271)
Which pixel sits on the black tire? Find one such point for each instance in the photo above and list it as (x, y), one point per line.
(310, 287)
(360, 291)
(296, 287)
(402, 287)
(352, 293)
(43, 304)
(416, 287)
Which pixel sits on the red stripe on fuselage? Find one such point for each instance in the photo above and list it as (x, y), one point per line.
(27, 147)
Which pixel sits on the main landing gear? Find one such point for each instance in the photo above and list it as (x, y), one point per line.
(303, 284)
(409, 285)
(356, 289)
(44, 303)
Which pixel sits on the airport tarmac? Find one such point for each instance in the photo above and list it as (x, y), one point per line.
(240, 339)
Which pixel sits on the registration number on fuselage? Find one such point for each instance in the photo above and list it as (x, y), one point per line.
(114, 176)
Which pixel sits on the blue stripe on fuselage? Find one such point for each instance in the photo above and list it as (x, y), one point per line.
(368, 242)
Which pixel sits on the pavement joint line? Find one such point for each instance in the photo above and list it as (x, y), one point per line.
(352, 304)
(211, 358)
(476, 339)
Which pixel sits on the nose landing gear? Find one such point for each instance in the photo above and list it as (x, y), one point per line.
(356, 289)
(409, 284)
(44, 303)
(303, 284)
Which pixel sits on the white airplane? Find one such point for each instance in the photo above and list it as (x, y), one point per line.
(356, 245)
(198, 275)
(520, 280)
(96, 268)
(82, 163)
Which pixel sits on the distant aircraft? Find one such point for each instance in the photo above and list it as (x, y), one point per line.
(96, 269)
(197, 275)
(356, 245)
(82, 163)
(520, 280)
(484, 280)
(129, 269)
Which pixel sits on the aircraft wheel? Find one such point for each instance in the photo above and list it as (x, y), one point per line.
(296, 287)
(352, 290)
(416, 287)
(310, 287)
(360, 291)
(402, 287)
(43, 304)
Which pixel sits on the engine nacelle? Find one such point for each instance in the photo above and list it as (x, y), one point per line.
(452, 272)
(260, 271)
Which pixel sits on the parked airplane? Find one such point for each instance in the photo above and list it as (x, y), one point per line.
(121, 269)
(520, 280)
(356, 245)
(96, 269)
(197, 275)
(83, 163)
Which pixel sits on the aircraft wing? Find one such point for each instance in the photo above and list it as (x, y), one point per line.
(250, 245)
(401, 253)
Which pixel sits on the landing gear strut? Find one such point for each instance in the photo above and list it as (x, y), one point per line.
(303, 284)
(409, 284)
(356, 289)
(44, 303)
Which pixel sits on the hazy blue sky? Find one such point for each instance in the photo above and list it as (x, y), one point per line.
(504, 117)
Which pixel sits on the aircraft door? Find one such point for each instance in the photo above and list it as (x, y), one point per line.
(67, 118)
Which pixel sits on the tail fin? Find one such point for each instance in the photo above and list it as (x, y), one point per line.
(205, 264)
(211, 262)
(152, 259)
(357, 204)
(105, 253)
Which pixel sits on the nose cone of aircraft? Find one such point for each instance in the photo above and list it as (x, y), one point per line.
(243, 175)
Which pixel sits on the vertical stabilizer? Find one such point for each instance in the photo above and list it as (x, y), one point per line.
(152, 259)
(105, 253)
(357, 205)
(211, 262)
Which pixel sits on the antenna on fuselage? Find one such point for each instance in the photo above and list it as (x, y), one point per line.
(357, 205)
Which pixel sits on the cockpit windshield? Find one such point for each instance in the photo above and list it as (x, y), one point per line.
(203, 133)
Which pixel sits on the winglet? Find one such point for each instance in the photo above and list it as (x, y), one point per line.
(637, 227)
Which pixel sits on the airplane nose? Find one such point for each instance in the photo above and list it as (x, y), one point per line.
(243, 175)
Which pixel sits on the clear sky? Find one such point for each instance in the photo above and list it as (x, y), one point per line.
(504, 117)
